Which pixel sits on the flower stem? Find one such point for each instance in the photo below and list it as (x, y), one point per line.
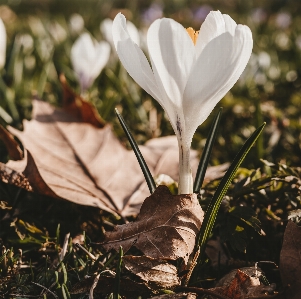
(185, 175)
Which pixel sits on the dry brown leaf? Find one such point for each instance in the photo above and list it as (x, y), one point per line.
(14, 150)
(166, 227)
(9, 176)
(290, 261)
(156, 273)
(242, 284)
(79, 108)
(69, 159)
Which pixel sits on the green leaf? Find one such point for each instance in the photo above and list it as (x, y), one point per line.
(222, 188)
(65, 275)
(200, 174)
(147, 174)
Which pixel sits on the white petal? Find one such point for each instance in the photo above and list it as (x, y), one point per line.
(133, 58)
(133, 32)
(106, 30)
(102, 55)
(216, 70)
(2, 44)
(172, 55)
(214, 25)
(88, 59)
(81, 52)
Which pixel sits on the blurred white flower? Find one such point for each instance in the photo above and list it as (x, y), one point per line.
(106, 29)
(191, 72)
(283, 20)
(2, 44)
(274, 72)
(58, 32)
(291, 76)
(258, 15)
(282, 40)
(88, 59)
(76, 23)
(26, 42)
(264, 60)
(260, 78)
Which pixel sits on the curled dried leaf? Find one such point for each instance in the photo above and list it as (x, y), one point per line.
(14, 150)
(165, 228)
(156, 273)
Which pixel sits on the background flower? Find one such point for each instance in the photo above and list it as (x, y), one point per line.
(88, 59)
(2, 44)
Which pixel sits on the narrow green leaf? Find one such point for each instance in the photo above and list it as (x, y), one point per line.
(64, 272)
(4, 255)
(200, 174)
(117, 277)
(147, 174)
(221, 190)
(57, 245)
(65, 292)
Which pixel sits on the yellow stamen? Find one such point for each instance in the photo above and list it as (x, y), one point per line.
(193, 34)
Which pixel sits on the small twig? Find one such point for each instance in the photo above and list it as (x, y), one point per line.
(95, 282)
(192, 266)
(93, 257)
(46, 289)
(64, 248)
(201, 291)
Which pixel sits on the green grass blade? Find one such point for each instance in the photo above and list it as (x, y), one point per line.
(200, 174)
(147, 174)
(117, 277)
(221, 190)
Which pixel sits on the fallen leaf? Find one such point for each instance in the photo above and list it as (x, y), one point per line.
(70, 159)
(156, 273)
(79, 108)
(14, 151)
(290, 261)
(166, 227)
(242, 284)
(239, 286)
(9, 176)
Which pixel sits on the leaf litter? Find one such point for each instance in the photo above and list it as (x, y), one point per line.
(66, 157)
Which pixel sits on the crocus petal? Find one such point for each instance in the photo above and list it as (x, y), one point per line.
(133, 58)
(172, 55)
(216, 70)
(2, 44)
(106, 30)
(133, 32)
(88, 59)
(102, 54)
(214, 25)
(80, 53)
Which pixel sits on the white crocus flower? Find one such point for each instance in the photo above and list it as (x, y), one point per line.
(2, 44)
(191, 71)
(106, 29)
(88, 59)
